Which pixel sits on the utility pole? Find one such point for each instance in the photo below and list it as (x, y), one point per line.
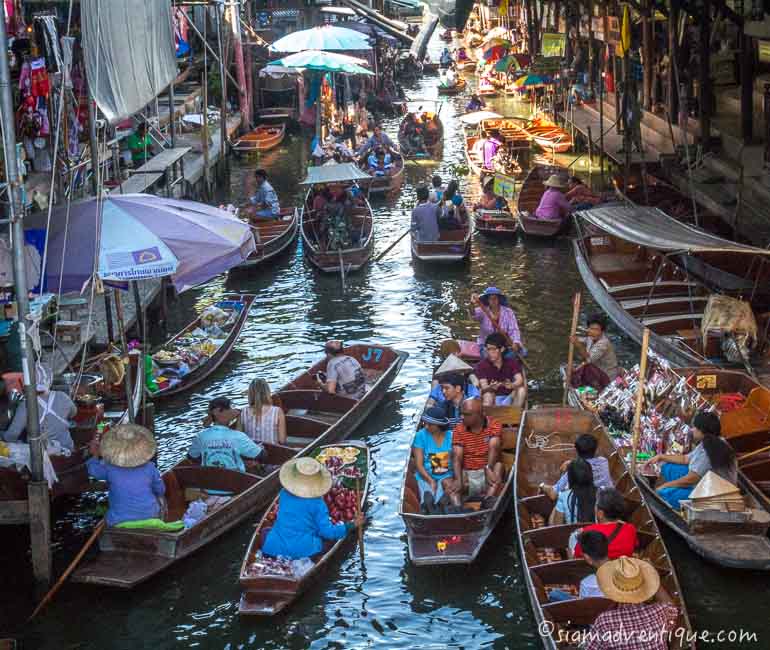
(37, 490)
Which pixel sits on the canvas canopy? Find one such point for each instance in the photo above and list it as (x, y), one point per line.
(340, 173)
(653, 228)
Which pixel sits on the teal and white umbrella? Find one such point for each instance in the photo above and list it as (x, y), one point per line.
(323, 62)
(327, 37)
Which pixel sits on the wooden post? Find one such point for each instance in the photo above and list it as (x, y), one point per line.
(205, 112)
(223, 84)
(590, 151)
(124, 346)
(590, 10)
(672, 92)
(639, 398)
(704, 99)
(747, 88)
(571, 352)
(647, 27)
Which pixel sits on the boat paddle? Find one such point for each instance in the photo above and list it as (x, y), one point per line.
(392, 246)
(360, 526)
(55, 589)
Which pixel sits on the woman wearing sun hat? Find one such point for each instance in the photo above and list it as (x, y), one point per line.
(494, 315)
(632, 584)
(553, 203)
(303, 521)
(432, 452)
(123, 458)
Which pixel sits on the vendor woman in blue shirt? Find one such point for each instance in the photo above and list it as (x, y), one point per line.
(432, 454)
(303, 521)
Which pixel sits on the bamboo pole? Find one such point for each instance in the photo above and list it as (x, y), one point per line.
(55, 589)
(640, 397)
(571, 353)
(124, 348)
(360, 525)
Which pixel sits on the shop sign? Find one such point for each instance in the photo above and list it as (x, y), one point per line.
(553, 45)
(613, 30)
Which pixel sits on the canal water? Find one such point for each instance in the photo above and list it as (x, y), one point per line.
(386, 602)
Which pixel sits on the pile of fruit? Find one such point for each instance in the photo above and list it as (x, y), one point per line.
(341, 502)
(335, 458)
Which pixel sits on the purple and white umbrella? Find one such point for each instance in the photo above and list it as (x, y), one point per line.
(143, 236)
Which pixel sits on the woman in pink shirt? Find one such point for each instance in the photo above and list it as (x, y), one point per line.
(493, 303)
(553, 204)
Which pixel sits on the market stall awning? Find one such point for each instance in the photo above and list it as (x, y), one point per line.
(653, 228)
(328, 37)
(323, 62)
(340, 173)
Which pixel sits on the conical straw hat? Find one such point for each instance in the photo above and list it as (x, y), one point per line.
(305, 477)
(453, 365)
(628, 580)
(713, 485)
(128, 445)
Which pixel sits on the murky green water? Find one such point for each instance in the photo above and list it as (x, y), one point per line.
(387, 603)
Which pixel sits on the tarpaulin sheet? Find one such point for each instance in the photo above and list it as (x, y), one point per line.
(339, 173)
(420, 43)
(129, 53)
(655, 229)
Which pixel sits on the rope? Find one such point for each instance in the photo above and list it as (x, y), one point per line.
(542, 442)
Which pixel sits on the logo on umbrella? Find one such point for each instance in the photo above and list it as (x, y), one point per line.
(146, 255)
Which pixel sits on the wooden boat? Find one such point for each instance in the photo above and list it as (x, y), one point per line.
(746, 429)
(458, 87)
(433, 140)
(234, 303)
(267, 595)
(469, 65)
(71, 472)
(667, 290)
(457, 538)
(389, 185)
(529, 198)
(474, 160)
(497, 224)
(273, 237)
(452, 246)
(263, 138)
(539, 544)
(313, 418)
(549, 136)
(486, 89)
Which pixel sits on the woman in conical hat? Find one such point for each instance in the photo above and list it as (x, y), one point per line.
(453, 382)
(123, 458)
(553, 204)
(303, 521)
(680, 473)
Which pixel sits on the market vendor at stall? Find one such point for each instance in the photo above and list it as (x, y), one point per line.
(303, 521)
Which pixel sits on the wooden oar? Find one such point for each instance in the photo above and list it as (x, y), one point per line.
(360, 526)
(54, 590)
(756, 452)
(392, 246)
(639, 398)
(571, 353)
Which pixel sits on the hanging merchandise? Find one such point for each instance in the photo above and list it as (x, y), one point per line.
(47, 34)
(40, 86)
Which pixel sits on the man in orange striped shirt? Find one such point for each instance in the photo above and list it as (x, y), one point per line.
(476, 446)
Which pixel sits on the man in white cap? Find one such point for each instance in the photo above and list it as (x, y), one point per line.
(55, 409)
(344, 375)
(553, 204)
(641, 623)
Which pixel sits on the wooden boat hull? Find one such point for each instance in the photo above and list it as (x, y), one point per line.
(534, 465)
(465, 534)
(453, 90)
(384, 186)
(454, 246)
(550, 137)
(204, 370)
(263, 138)
(273, 238)
(129, 557)
(271, 595)
(529, 198)
(432, 149)
(545, 228)
(496, 224)
(332, 261)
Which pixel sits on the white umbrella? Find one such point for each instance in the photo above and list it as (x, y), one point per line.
(327, 37)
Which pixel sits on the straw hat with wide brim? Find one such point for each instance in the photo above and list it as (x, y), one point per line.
(449, 346)
(453, 365)
(628, 580)
(112, 370)
(305, 477)
(554, 180)
(128, 445)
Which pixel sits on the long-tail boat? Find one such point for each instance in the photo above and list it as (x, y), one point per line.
(314, 417)
(549, 136)
(273, 237)
(263, 138)
(387, 185)
(529, 198)
(238, 306)
(746, 427)
(646, 269)
(265, 593)
(90, 396)
(544, 549)
(315, 234)
(457, 538)
(453, 246)
(454, 89)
